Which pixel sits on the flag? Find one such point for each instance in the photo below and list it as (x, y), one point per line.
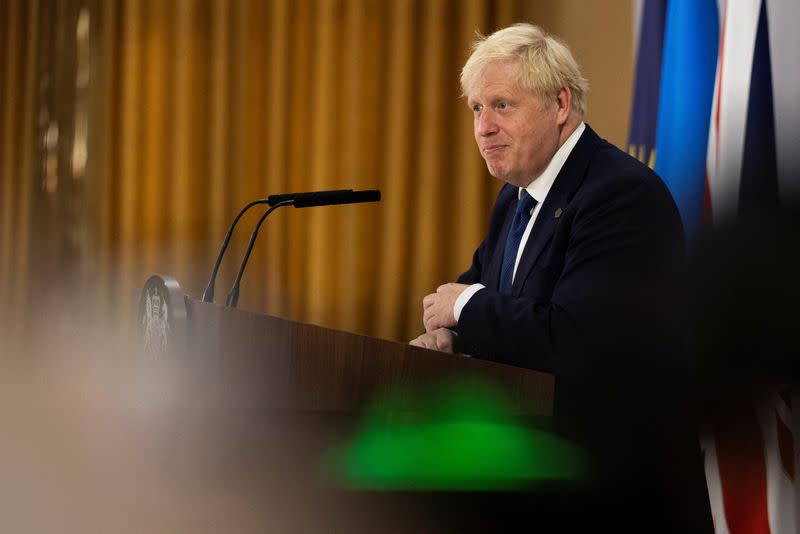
(684, 108)
(752, 157)
(644, 114)
(749, 461)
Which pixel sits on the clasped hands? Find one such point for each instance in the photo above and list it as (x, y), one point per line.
(438, 318)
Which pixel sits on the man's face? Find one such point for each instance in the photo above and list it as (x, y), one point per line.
(516, 131)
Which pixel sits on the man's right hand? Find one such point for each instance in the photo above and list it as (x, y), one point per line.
(440, 339)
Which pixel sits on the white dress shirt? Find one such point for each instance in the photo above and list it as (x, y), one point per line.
(538, 189)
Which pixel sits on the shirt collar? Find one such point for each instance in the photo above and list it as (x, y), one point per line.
(539, 188)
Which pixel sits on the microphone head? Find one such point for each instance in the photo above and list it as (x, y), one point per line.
(344, 197)
(368, 195)
(308, 197)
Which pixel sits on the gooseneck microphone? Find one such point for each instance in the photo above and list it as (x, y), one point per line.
(233, 294)
(208, 294)
(298, 200)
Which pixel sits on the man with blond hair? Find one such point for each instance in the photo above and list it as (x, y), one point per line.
(572, 275)
(579, 233)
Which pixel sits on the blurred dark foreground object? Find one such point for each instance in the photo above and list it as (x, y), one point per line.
(742, 311)
(743, 302)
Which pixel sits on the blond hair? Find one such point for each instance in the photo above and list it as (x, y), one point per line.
(544, 63)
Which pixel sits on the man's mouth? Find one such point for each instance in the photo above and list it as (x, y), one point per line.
(491, 149)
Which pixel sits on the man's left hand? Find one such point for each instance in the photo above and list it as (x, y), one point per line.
(438, 307)
(441, 340)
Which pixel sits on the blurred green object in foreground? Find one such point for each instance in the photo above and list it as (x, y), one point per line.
(461, 437)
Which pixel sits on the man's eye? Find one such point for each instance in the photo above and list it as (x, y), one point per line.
(476, 108)
(502, 105)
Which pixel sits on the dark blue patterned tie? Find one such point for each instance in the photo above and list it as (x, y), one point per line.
(518, 225)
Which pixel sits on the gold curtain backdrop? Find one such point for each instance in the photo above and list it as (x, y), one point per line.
(170, 116)
(18, 22)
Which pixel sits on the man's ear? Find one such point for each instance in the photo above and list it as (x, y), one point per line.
(564, 102)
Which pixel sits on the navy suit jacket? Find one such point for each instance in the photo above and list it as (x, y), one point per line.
(591, 303)
(603, 242)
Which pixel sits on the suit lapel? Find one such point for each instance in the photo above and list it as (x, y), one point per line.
(564, 187)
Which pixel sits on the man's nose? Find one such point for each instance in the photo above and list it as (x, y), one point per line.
(485, 124)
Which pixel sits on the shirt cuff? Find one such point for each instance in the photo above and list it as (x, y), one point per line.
(463, 298)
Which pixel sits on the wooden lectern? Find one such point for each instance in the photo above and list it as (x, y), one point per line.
(286, 365)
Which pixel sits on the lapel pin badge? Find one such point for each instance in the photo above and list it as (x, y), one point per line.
(559, 211)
